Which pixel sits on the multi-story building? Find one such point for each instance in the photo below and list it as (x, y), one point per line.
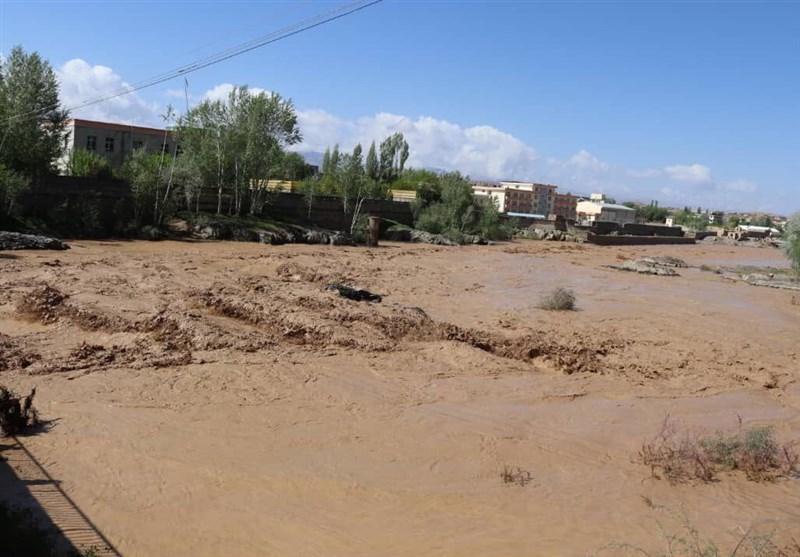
(529, 197)
(518, 197)
(488, 192)
(115, 141)
(566, 205)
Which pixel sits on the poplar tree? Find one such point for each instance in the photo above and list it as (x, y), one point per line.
(372, 163)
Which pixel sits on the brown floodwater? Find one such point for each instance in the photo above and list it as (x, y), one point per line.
(214, 399)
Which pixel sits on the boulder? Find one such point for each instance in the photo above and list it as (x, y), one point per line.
(17, 241)
(275, 237)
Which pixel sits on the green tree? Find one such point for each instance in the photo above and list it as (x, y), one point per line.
(238, 144)
(333, 166)
(12, 185)
(141, 171)
(352, 184)
(372, 167)
(326, 161)
(88, 164)
(294, 167)
(31, 120)
(393, 157)
(791, 234)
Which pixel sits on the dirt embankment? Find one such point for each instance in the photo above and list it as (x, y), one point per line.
(196, 384)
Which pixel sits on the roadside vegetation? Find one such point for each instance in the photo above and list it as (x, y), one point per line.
(680, 455)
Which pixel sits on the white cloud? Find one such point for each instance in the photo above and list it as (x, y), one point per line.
(221, 92)
(480, 151)
(741, 186)
(647, 173)
(585, 160)
(695, 173)
(81, 81)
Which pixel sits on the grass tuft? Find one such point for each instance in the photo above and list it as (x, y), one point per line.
(559, 299)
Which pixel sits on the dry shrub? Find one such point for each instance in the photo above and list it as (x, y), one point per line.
(681, 538)
(681, 456)
(559, 299)
(676, 454)
(515, 475)
(16, 413)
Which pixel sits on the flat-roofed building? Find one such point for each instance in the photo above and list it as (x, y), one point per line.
(598, 210)
(113, 141)
(566, 205)
(490, 193)
(529, 197)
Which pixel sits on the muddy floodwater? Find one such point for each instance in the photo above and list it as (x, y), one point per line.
(212, 399)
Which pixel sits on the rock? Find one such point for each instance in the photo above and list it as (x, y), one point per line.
(243, 234)
(17, 241)
(645, 266)
(328, 238)
(399, 234)
(213, 230)
(475, 239)
(341, 239)
(665, 260)
(422, 237)
(275, 237)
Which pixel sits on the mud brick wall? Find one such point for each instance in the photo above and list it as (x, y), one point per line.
(607, 240)
(651, 230)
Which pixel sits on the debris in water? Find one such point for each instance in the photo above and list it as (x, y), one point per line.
(354, 293)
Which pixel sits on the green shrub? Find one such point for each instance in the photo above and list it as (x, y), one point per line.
(88, 164)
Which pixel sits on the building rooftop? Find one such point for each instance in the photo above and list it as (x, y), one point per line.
(114, 126)
(609, 205)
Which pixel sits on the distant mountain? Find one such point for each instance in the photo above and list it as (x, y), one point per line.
(313, 157)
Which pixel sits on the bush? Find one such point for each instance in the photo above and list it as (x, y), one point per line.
(559, 299)
(792, 237)
(88, 164)
(12, 185)
(682, 456)
(152, 233)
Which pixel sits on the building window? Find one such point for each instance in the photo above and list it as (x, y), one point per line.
(138, 144)
(165, 148)
(178, 150)
(109, 145)
(91, 143)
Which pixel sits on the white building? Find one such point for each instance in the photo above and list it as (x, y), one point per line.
(597, 210)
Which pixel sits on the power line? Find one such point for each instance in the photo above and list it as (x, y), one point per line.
(286, 32)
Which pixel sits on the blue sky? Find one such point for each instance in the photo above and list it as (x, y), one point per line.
(693, 103)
